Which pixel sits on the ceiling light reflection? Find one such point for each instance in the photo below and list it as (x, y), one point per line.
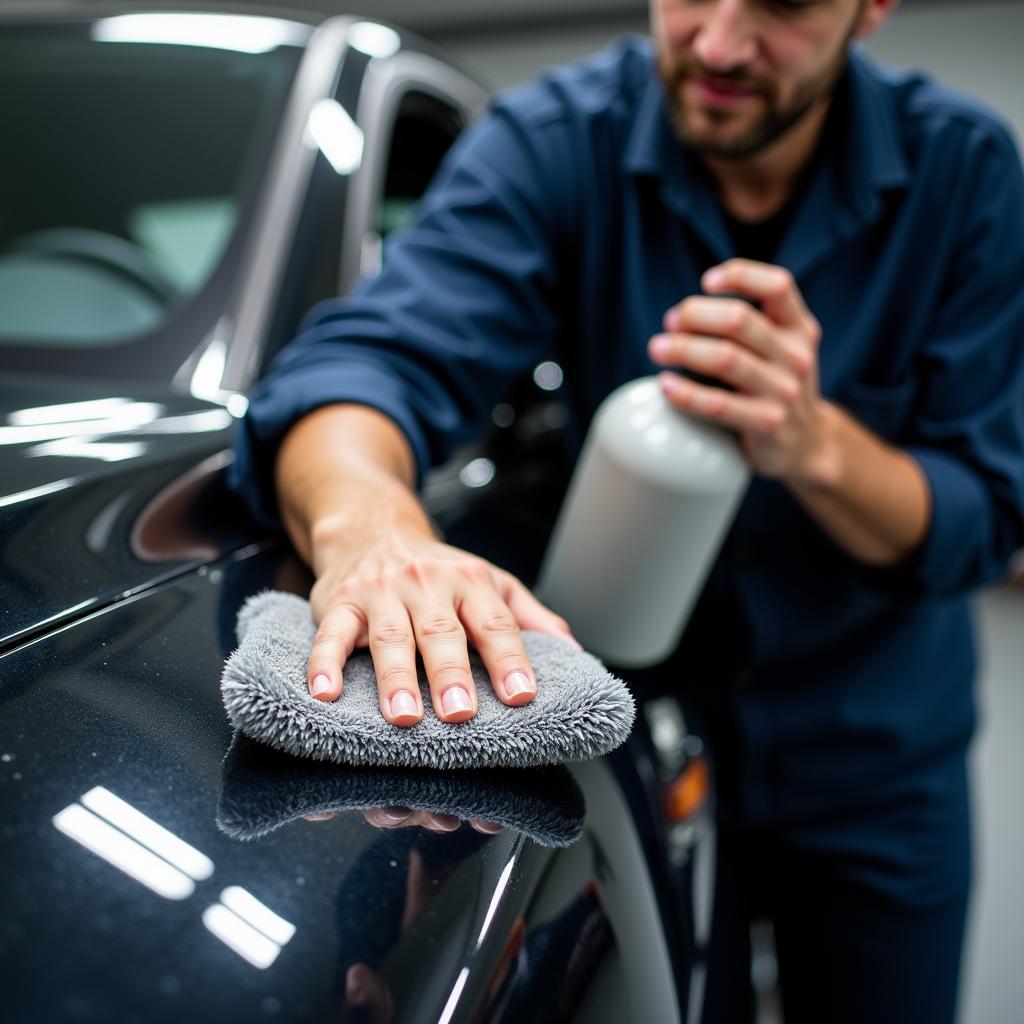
(206, 377)
(260, 916)
(241, 32)
(453, 999)
(38, 492)
(67, 412)
(89, 448)
(240, 936)
(374, 40)
(130, 416)
(122, 852)
(127, 818)
(191, 423)
(492, 908)
(331, 130)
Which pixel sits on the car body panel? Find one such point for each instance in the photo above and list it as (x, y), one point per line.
(130, 702)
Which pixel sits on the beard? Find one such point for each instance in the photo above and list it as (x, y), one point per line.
(774, 121)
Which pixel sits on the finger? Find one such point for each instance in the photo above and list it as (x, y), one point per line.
(488, 828)
(393, 649)
(529, 612)
(365, 987)
(387, 817)
(494, 632)
(727, 361)
(738, 321)
(442, 644)
(334, 642)
(741, 412)
(773, 287)
(438, 822)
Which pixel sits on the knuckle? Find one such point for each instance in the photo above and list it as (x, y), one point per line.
(450, 672)
(511, 660)
(440, 626)
(499, 624)
(328, 634)
(474, 570)
(739, 317)
(418, 571)
(804, 363)
(784, 281)
(727, 358)
(391, 634)
(396, 676)
(716, 403)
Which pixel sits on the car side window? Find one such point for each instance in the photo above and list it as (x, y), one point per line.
(425, 127)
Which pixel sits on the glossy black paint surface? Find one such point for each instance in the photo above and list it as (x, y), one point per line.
(76, 530)
(128, 699)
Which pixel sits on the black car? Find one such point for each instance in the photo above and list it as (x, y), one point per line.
(177, 187)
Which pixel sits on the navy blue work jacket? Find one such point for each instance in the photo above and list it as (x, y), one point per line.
(568, 221)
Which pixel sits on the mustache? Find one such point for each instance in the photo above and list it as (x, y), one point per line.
(679, 71)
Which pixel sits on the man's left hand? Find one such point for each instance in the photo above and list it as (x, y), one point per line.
(769, 355)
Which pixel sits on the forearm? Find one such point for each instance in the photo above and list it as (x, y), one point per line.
(872, 499)
(345, 470)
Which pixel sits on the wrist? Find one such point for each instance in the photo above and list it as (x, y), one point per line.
(822, 467)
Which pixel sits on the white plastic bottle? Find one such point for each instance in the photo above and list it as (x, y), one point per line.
(650, 502)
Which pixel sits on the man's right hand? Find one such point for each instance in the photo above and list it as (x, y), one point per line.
(400, 592)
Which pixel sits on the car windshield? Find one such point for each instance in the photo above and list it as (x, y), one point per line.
(131, 149)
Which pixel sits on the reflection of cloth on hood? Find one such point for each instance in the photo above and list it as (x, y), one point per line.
(264, 789)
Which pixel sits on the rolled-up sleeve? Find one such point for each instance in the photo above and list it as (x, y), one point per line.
(968, 425)
(464, 303)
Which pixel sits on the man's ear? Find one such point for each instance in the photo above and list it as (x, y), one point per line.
(875, 14)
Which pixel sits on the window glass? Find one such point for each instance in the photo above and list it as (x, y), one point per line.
(425, 127)
(125, 169)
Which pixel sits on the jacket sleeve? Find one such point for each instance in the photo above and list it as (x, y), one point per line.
(968, 422)
(464, 303)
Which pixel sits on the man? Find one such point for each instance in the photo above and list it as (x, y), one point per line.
(610, 214)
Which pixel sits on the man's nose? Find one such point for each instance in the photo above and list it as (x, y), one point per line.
(726, 40)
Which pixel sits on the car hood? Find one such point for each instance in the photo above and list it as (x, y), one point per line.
(155, 870)
(104, 489)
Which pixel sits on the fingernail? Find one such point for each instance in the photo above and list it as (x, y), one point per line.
(660, 346)
(574, 642)
(454, 699)
(518, 682)
(321, 684)
(713, 278)
(403, 703)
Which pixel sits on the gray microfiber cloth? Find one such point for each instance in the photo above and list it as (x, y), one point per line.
(264, 789)
(581, 711)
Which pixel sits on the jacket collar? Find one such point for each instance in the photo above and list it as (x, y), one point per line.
(863, 158)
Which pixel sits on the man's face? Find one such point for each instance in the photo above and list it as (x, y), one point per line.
(739, 73)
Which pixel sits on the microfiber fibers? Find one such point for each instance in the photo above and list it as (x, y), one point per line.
(265, 789)
(581, 710)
